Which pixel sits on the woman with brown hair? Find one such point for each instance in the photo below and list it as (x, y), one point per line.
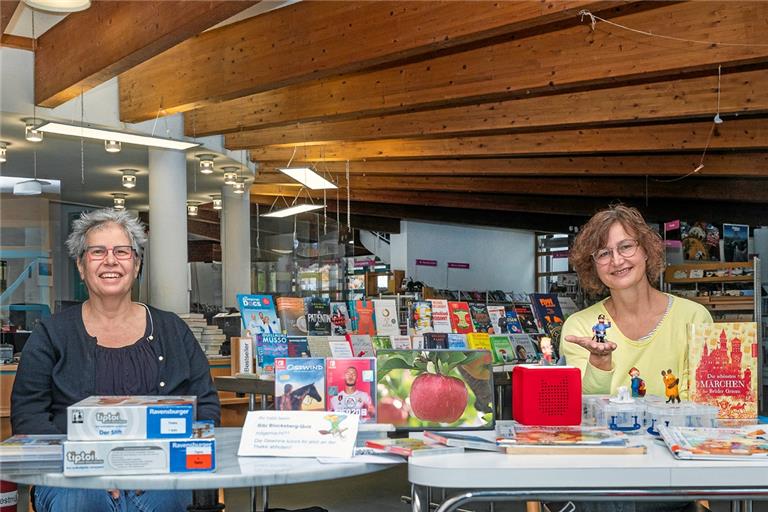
(618, 254)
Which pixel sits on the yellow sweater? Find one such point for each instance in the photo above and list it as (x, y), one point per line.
(666, 349)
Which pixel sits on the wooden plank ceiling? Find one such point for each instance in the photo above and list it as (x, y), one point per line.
(520, 114)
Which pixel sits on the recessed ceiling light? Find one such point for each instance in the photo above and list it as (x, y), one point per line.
(230, 174)
(118, 200)
(129, 178)
(3, 152)
(217, 203)
(113, 146)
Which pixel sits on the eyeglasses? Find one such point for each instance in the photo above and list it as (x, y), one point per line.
(625, 248)
(99, 252)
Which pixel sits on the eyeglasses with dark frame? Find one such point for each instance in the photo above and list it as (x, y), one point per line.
(99, 252)
(626, 249)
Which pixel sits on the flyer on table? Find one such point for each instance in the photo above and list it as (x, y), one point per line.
(298, 434)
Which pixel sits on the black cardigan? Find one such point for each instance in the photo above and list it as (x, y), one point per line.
(57, 369)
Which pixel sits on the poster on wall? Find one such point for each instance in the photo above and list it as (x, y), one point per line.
(735, 242)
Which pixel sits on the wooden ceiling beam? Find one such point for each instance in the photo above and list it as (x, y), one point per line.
(742, 92)
(746, 134)
(94, 45)
(312, 40)
(717, 164)
(7, 9)
(575, 58)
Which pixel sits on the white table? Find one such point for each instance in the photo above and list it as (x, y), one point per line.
(656, 476)
(231, 471)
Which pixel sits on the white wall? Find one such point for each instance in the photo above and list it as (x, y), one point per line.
(499, 259)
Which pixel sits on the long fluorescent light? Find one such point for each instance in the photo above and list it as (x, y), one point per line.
(308, 177)
(128, 138)
(293, 210)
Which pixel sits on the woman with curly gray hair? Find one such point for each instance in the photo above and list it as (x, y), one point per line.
(109, 345)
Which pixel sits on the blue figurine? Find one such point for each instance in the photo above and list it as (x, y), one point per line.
(598, 330)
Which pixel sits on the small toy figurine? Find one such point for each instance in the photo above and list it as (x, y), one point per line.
(671, 386)
(598, 330)
(547, 351)
(638, 384)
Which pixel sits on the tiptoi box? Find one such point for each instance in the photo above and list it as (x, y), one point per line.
(100, 418)
(143, 456)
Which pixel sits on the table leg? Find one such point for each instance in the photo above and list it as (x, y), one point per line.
(265, 498)
(746, 505)
(23, 498)
(419, 498)
(251, 402)
(254, 500)
(263, 402)
(206, 500)
(735, 506)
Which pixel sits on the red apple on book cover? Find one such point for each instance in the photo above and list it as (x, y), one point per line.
(438, 398)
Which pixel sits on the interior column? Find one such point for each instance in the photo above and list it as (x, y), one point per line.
(168, 269)
(235, 245)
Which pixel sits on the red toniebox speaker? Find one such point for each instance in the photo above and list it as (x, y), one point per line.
(546, 395)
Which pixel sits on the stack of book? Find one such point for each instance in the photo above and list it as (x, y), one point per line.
(196, 323)
(32, 454)
(211, 340)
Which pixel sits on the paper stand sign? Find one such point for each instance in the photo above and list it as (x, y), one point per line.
(298, 434)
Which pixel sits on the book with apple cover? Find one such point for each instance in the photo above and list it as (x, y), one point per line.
(461, 320)
(408, 447)
(749, 442)
(723, 368)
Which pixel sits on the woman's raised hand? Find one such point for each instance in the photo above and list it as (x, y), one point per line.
(600, 353)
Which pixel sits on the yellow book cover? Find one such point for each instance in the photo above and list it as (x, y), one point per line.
(479, 341)
(723, 367)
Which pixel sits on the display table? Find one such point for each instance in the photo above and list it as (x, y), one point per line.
(655, 476)
(232, 471)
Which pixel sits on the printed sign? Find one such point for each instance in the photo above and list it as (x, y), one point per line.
(298, 434)
(454, 264)
(426, 263)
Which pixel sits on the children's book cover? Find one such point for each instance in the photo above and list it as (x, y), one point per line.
(361, 316)
(723, 367)
(340, 322)
(385, 315)
(735, 242)
(479, 341)
(420, 317)
(300, 384)
(269, 347)
(480, 318)
(258, 314)
(457, 341)
(351, 384)
(498, 318)
(401, 342)
(361, 345)
(546, 309)
(417, 341)
(292, 315)
(749, 442)
(524, 313)
(524, 348)
(441, 321)
(502, 349)
(318, 316)
(461, 320)
(298, 346)
(434, 340)
(563, 435)
(512, 324)
(381, 343)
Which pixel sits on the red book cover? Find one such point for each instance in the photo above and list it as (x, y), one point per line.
(461, 320)
(351, 387)
(365, 323)
(723, 367)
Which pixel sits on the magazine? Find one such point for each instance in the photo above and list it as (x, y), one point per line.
(258, 314)
(747, 442)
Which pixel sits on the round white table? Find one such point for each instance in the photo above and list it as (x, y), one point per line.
(231, 471)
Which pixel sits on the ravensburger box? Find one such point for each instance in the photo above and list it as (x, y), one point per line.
(102, 418)
(143, 456)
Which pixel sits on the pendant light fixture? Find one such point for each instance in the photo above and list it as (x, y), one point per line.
(217, 203)
(206, 163)
(33, 187)
(118, 200)
(192, 208)
(31, 131)
(3, 152)
(129, 178)
(239, 186)
(60, 6)
(113, 146)
(230, 175)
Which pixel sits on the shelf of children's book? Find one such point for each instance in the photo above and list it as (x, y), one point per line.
(702, 280)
